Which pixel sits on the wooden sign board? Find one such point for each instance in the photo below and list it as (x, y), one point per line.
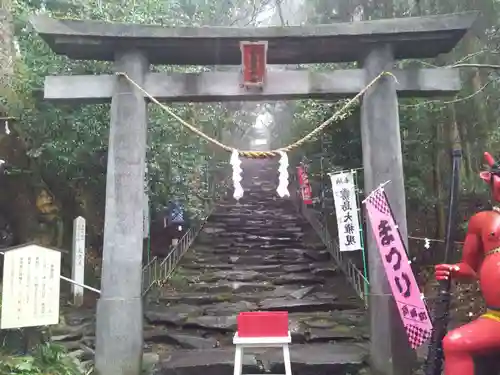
(31, 287)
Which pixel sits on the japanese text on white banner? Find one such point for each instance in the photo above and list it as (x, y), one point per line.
(346, 208)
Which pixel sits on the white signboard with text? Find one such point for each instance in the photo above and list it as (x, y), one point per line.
(346, 209)
(31, 287)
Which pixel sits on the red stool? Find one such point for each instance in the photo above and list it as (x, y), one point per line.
(262, 329)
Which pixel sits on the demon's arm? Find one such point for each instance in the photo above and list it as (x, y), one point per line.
(467, 269)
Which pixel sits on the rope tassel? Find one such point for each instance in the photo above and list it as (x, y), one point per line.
(282, 189)
(236, 162)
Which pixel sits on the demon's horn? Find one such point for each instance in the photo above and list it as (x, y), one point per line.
(489, 160)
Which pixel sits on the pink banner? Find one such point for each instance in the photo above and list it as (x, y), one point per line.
(412, 308)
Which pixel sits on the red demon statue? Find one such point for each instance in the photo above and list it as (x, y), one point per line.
(481, 261)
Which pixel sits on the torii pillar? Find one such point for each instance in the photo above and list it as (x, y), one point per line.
(133, 47)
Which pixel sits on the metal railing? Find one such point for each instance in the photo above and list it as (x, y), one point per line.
(159, 270)
(353, 274)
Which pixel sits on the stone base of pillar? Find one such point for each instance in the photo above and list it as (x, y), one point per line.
(114, 325)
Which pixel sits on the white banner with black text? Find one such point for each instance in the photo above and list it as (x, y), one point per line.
(346, 209)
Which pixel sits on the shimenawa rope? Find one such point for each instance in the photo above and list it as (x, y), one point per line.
(340, 114)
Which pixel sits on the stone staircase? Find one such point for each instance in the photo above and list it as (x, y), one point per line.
(258, 254)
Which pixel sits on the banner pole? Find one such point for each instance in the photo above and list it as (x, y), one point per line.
(361, 238)
(435, 356)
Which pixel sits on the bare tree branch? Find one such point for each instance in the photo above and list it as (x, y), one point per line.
(280, 12)
(479, 66)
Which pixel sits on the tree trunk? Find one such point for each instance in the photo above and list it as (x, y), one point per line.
(7, 56)
(480, 126)
(438, 184)
(26, 200)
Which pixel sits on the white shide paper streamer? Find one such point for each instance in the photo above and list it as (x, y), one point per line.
(236, 162)
(282, 189)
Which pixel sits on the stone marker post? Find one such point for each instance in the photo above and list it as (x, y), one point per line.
(78, 260)
(119, 309)
(382, 161)
(145, 219)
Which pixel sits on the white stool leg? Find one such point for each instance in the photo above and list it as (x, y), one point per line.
(286, 360)
(238, 360)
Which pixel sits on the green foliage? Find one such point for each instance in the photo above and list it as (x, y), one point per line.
(46, 359)
(428, 125)
(69, 142)
(64, 140)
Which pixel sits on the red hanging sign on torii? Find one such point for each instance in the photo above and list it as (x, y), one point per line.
(253, 64)
(305, 187)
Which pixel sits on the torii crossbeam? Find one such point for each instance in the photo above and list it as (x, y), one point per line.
(376, 44)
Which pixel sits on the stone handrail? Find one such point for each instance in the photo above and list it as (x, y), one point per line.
(158, 270)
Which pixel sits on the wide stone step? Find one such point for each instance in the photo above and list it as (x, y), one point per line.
(256, 223)
(279, 267)
(167, 336)
(254, 220)
(241, 255)
(252, 228)
(274, 215)
(282, 298)
(229, 260)
(307, 359)
(283, 238)
(258, 202)
(275, 278)
(263, 212)
(183, 326)
(251, 241)
(233, 287)
(223, 247)
(278, 231)
(214, 267)
(267, 210)
(262, 248)
(337, 324)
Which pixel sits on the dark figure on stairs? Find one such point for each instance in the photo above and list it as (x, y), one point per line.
(174, 220)
(169, 226)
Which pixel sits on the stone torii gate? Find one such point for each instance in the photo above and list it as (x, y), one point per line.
(132, 48)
